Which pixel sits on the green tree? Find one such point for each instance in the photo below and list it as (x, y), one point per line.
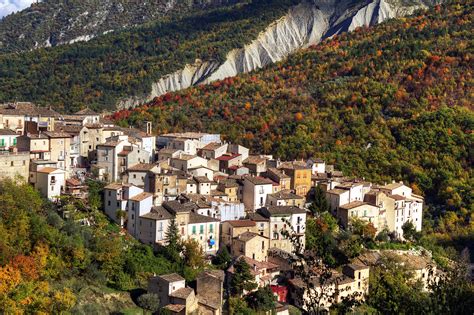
(149, 302)
(174, 246)
(261, 300)
(242, 278)
(222, 259)
(320, 203)
(238, 306)
(409, 231)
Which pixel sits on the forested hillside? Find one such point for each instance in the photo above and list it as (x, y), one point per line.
(125, 63)
(389, 102)
(55, 22)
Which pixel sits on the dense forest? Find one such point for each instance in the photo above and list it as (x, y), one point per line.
(54, 22)
(127, 62)
(389, 102)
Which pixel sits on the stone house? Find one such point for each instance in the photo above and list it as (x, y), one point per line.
(251, 245)
(8, 139)
(50, 182)
(285, 198)
(13, 164)
(284, 218)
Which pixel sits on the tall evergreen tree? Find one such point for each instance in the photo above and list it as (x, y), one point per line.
(242, 278)
(320, 203)
(173, 248)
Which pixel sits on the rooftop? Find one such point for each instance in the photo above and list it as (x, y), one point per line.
(257, 180)
(158, 213)
(285, 195)
(282, 210)
(176, 206)
(48, 170)
(241, 223)
(392, 186)
(142, 167)
(7, 132)
(247, 236)
(114, 186)
(57, 134)
(172, 277)
(26, 109)
(195, 218)
(255, 159)
(228, 157)
(202, 179)
(141, 196)
(353, 204)
(182, 293)
(212, 146)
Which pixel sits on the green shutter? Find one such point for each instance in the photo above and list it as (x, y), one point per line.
(14, 141)
(194, 229)
(2, 142)
(201, 229)
(211, 228)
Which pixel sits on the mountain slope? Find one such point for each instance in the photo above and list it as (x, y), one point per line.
(54, 22)
(130, 67)
(389, 102)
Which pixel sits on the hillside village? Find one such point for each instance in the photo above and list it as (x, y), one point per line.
(217, 193)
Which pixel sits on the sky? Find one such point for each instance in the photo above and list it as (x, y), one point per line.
(9, 6)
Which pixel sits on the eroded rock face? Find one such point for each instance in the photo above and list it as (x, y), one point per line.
(305, 24)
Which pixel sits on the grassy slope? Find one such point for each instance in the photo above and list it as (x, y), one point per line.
(120, 64)
(389, 102)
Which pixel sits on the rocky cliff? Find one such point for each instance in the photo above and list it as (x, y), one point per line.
(305, 24)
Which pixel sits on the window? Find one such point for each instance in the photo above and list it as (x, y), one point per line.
(108, 203)
(194, 229)
(11, 163)
(110, 193)
(211, 228)
(24, 163)
(134, 175)
(201, 229)
(263, 245)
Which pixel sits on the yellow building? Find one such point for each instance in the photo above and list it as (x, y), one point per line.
(251, 245)
(300, 175)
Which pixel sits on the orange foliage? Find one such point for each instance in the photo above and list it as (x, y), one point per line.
(299, 116)
(26, 265)
(9, 278)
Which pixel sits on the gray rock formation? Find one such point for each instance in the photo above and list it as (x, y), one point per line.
(305, 24)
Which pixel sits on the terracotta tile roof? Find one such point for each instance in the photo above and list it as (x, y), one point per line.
(176, 206)
(247, 236)
(337, 191)
(257, 217)
(241, 223)
(281, 210)
(182, 293)
(48, 170)
(212, 146)
(397, 197)
(158, 213)
(228, 157)
(195, 218)
(57, 134)
(259, 265)
(141, 167)
(172, 277)
(285, 195)
(26, 109)
(8, 132)
(175, 308)
(141, 196)
(393, 186)
(73, 182)
(114, 186)
(257, 180)
(255, 159)
(353, 204)
(202, 179)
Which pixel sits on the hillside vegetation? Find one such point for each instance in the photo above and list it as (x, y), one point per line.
(54, 22)
(389, 102)
(125, 63)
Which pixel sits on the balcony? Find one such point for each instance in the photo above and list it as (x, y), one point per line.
(52, 182)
